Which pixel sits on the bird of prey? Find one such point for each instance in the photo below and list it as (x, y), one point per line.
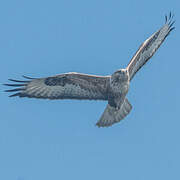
(112, 88)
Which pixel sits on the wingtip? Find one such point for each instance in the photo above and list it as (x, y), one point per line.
(166, 18)
(169, 18)
(19, 85)
(16, 89)
(170, 15)
(14, 80)
(27, 77)
(14, 95)
(14, 85)
(169, 21)
(172, 29)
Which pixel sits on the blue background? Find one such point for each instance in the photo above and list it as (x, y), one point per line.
(43, 139)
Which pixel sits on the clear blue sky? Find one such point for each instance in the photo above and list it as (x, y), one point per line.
(58, 140)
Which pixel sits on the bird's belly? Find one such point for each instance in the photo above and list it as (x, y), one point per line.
(117, 95)
(121, 89)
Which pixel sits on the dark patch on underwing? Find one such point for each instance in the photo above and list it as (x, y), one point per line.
(56, 81)
(82, 87)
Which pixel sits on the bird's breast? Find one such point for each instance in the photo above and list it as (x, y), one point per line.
(119, 88)
(117, 94)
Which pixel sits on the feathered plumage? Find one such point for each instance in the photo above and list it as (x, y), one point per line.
(111, 88)
(150, 46)
(64, 86)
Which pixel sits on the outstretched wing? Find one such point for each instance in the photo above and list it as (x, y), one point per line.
(149, 47)
(63, 86)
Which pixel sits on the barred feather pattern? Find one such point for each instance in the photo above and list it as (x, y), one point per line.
(150, 46)
(64, 86)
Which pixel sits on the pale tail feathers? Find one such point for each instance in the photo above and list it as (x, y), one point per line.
(111, 115)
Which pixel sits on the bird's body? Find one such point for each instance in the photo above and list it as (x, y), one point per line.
(118, 106)
(118, 88)
(112, 88)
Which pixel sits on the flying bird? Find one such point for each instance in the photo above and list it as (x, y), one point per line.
(112, 88)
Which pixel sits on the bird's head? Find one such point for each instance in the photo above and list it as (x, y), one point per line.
(120, 75)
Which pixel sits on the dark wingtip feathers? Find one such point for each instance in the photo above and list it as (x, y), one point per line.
(27, 77)
(16, 94)
(13, 80)
(16, 89)
(170, 15)
(21, 84)
(14, 85)
(169, 20)
(166, 18)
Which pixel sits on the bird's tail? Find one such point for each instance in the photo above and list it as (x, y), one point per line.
(111, 115)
